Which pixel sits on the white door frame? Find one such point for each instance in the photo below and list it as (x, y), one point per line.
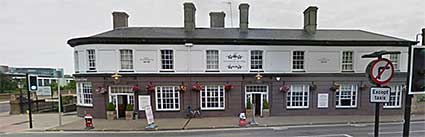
(115, 95)
(260, 93)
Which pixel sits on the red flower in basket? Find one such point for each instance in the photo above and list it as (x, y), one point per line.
(284, 88)
(196, 87)
(150, 87)
(135, 88)
(228, 87)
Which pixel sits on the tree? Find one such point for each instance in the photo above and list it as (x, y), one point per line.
(70, 86)
(7, 85)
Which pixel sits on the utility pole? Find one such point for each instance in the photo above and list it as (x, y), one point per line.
(59, 102)
(231, 12)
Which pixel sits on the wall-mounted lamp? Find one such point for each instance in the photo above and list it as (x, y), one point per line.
(116, 77)
(278, 78)
(258, 76)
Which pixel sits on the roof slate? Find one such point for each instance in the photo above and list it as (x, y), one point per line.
(224, 34)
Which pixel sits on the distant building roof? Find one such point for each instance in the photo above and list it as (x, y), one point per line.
(168, 35)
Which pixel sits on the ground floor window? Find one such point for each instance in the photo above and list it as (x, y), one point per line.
(167, 98)
(297, 97)
(212, 97)
(84, 94)
(395, 97)
(346, 96)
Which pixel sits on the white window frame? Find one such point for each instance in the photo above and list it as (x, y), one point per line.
(353, 90)
(91, 60)
(305, 93)
(130, 59)
(345, 62)
(76, 62)
(220, 90)
(84, 94)
(161, 59)
(397, 91)
(207, 61)
(260, 60)
(395, 59)
(161, 98)
(293, 60)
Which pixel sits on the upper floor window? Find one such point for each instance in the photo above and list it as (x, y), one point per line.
(126, 56)
(256, 59)
(347, 61)
(346, 96)
(298, 61)
(395, 97)
(167, 59)
(84, 94)
(76, 65)
(395, 58)
(212, 59)
(91, 56)
(297, 97)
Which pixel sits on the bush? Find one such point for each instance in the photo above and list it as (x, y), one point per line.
(110, 107)
(130, 107)
(265, 104)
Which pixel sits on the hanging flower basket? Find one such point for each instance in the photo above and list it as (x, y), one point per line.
(135, 88)
(182, 88)
(335, 87)
(150, 87)
(100, 90)
(364, 87)
(312, 87)
(228, 87)
(284, 88)
(196, 87)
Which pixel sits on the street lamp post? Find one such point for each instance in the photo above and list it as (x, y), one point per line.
(21, 105)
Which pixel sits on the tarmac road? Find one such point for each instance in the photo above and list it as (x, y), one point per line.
(356, 130)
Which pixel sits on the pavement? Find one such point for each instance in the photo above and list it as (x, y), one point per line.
(226, 122)
(4, 106)
(394, 129)
(41, 122)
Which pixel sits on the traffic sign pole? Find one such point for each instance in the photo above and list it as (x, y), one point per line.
(29, 101)
(376, 131)
(380, 72)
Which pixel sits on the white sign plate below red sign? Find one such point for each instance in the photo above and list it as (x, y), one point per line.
(380, 94)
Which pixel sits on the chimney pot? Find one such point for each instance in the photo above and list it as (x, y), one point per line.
(120, 19)
(310, 19)
(243, 17)
(189, 16)
(217, 19)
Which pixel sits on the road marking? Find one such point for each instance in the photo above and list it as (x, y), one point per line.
(330, 135)
(399, 132)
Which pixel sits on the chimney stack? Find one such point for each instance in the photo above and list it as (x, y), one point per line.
(243, 17)
(189, 16)
(423, 36)
(120, 19)
(217, 19)
(310, 19)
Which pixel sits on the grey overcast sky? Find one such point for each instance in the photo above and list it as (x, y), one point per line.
(35, 32)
